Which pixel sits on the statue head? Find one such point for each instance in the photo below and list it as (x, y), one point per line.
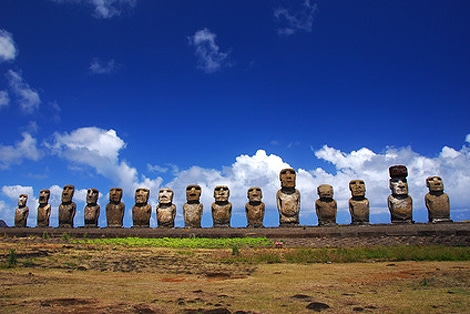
(92, 196)
(165, 196)
(67, 193)
(357, 188)
(435, 184)
(142, 196)
(115, 195)
(255, 194)
(325, 191)
(221, 193)
(44, 196)
(22, 199)
(193, 193)
(287, 177)
(399, 186)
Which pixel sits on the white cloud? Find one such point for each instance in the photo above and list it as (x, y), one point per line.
(4, 98)
(28, 98)
(26, 149)
(209, 57)
(105, 8)
(99, 67)
(297, 18)
(8, 51)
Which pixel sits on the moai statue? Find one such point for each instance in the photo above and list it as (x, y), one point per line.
(192, 209)
(115, 208)
(288, 199)
(358, 203)
(44, 208)
(92, 209)
(326, 206)
(141, 210)
(437, 202)
(67, 208)
(221, 208)
(400, 204)
(255, 207)
(166, 210)
(22, 212)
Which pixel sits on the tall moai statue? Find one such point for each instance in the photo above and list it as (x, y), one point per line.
(67, 208)
(192, 209)
(44, 209)
(92, 209)
(437, 201)
(325, 206)
(221, 208)
(358, 203)
(166, 210)
(142, 210)
(400, 204)
(22, 211)
(288, 199)
(115, 209)
(254, 208)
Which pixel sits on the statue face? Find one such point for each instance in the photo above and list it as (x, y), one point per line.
(399, 186)
(357, 188)
(92, 196)
(115, 195)
(435, 184)
(142, 195)
(255, 194)
(287, 177)
(325, 191)
(22, 200)
(165, 196)
(193, 192)
(44, 196)
(221, 193)
(67, 193)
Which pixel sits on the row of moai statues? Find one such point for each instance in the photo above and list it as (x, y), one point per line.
(400, 204)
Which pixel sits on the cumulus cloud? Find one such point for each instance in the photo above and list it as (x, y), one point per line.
(100, 67)
(27, 97)
(296, 18)
(8, 51)
(14, 154)
(105, 9)
(4, 98)
(209, 57)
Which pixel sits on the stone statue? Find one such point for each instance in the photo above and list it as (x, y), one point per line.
(358, 203)
(44, 208)
(166, 210)
(288, 199)
(326, 206)
(255, 207)
(92, 209)
(400, 204)
(142, 210)
(192, 209)
(22, 212)
(115, 208)
(437, 202)
(67, 208)
(221, 208)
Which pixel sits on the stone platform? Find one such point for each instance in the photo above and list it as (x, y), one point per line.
(449, 234)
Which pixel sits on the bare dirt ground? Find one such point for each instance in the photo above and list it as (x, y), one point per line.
(60, 277)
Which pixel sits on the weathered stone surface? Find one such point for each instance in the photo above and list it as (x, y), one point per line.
(115, 208)
(142, 210)
(92, 209)
(358, 203)
(22, 211)
(255, 207)
(288, 199)
(166, 210)
(437, 201)
(326, 207)
(44, 209)
(193, 208)
(400, 204)
(67, 208)
(221, 208)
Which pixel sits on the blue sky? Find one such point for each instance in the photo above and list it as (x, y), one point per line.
(140, 93)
